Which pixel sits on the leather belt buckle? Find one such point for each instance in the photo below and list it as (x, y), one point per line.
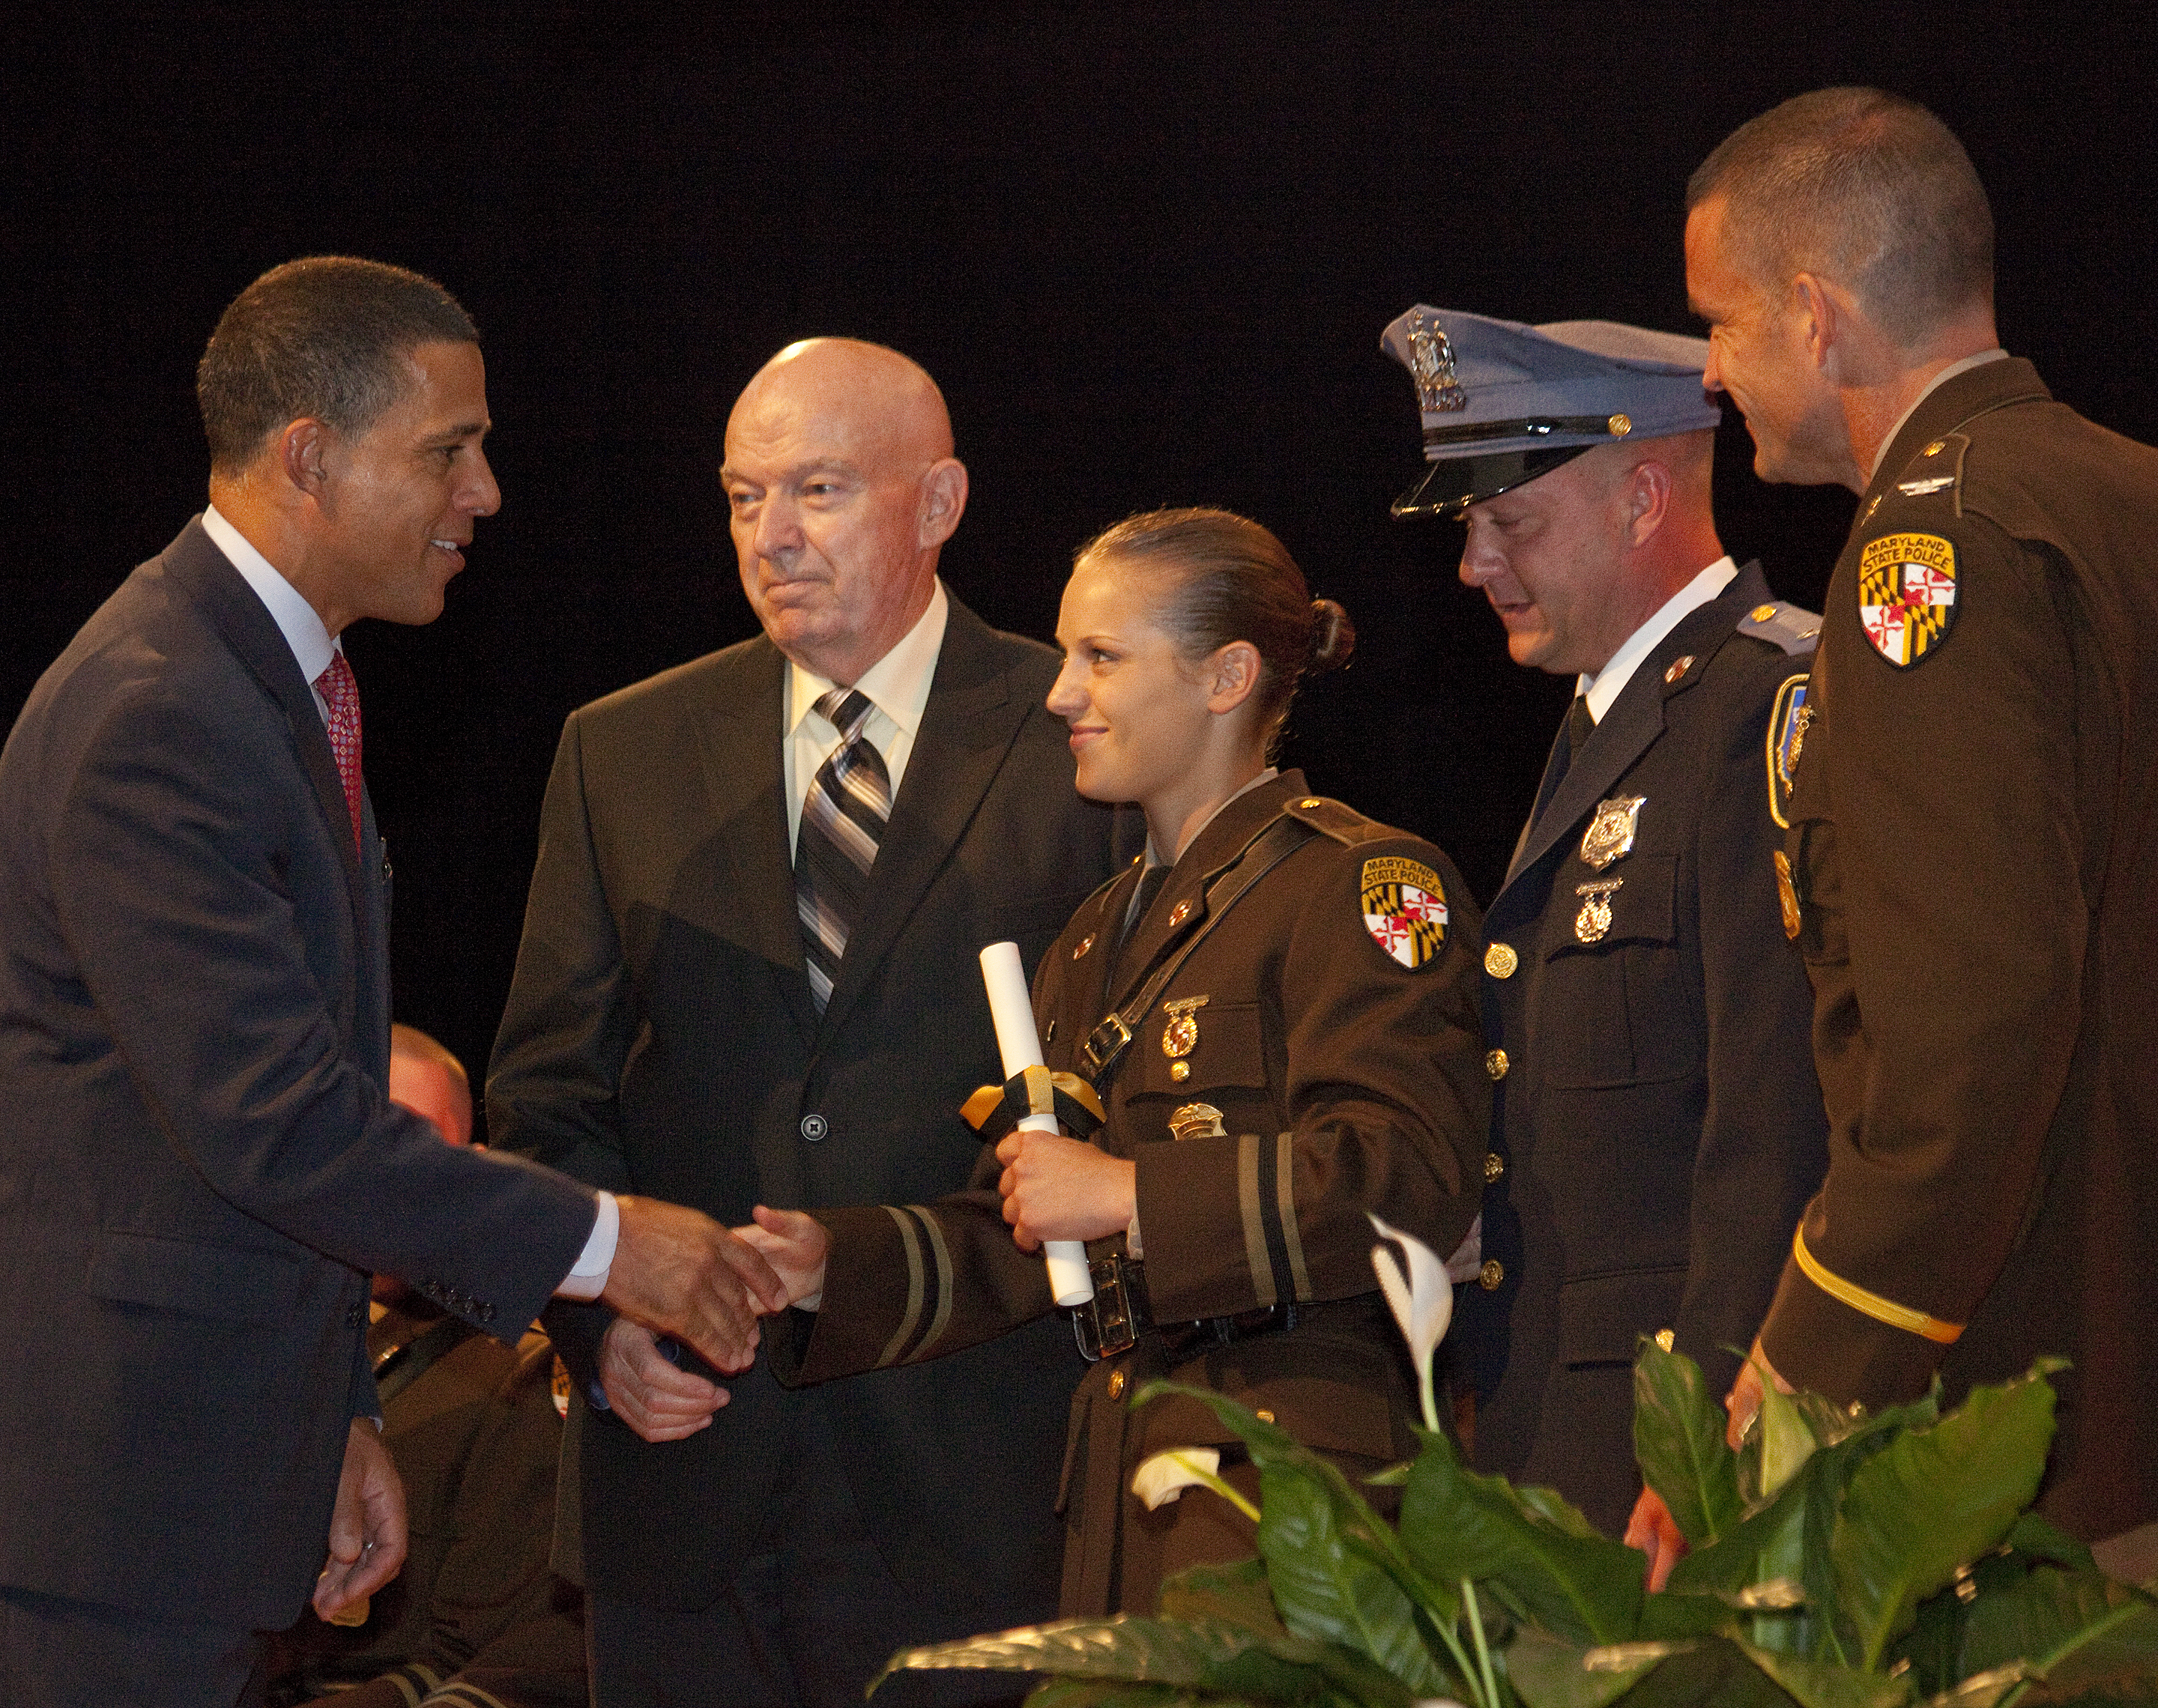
(1106, 1043)
(1110, 1322)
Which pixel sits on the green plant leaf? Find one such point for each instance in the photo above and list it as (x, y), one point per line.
(2074, 1628)
(1678, 1438)
(2037, 1537)
(1714, 1673)
(1338, 1572)
(1982, 1689)
(1933, 1499)
(1824, 1685)
(1235, 1594)
(1118, 1693)
(1541, 1556)
(1547, 1673)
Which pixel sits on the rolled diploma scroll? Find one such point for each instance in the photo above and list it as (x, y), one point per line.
(1020, 1046)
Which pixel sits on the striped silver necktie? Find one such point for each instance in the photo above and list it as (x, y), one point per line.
(843, 816)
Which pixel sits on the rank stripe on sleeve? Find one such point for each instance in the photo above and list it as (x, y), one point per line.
(916, 1287)
(1870, 1304)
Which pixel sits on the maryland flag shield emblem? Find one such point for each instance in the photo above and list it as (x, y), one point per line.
(1907, 595)
(1404, 910)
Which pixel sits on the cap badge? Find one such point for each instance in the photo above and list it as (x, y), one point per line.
(1430, 361)
(1594, 919)
(1404, 910)
(1610, 833)
(1907, 595)
(1180, 1036)
(1787, 739)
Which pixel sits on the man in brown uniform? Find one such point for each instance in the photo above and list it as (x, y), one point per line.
(1972, 859)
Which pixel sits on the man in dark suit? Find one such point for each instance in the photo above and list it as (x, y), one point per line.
(199, 1168)
(1974, 842)
(1656, 1124)
(749, 976)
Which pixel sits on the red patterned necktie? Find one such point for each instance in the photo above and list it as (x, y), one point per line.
(341, 694)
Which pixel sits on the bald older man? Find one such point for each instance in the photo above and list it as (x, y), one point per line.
(748, 975)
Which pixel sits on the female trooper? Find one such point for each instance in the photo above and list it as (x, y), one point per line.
(1277, 1012)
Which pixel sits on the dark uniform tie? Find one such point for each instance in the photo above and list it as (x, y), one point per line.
(1151, 878)
(1572, 734)
(843, 817)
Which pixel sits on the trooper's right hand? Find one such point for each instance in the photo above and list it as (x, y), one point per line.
(647, 1391)
(677, 1272)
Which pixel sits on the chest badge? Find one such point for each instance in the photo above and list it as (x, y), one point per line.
(1404, 909)
(1197, 1121)
(1611, 832)
(1180, 1036)
(1594, 919)
(1907, 595)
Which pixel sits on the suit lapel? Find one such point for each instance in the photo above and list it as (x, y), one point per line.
(739, 748)
(1636, 718)
(194, 562)
(968, 726)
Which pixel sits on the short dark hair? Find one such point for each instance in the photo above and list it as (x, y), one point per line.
(321, 337)
(1864, 186)
(1235, 581)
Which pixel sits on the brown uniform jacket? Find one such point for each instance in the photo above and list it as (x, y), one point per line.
(1347, 1078)
(1974, 846)
(473, 1430)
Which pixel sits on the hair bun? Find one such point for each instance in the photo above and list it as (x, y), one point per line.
(1333, 638)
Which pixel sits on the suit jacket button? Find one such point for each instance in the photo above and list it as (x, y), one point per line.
(1490, 1275)
(1496, 1064)
(485, 1312)
(355, 1315)
(1500, 961)
(814, 1127)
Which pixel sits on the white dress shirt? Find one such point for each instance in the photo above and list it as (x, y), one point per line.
(898, 689)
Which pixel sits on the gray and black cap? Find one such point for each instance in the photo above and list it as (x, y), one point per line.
(1503, 403)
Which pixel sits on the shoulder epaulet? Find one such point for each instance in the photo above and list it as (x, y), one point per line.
(1344, 824)
(1793, 627)
(1936, 472)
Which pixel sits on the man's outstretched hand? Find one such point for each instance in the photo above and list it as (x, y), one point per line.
(678, 1272)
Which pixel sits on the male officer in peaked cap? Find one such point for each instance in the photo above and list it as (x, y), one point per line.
(1656, 1125)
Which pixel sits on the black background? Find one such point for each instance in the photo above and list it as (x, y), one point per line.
(1147, 251)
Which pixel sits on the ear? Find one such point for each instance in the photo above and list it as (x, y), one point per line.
(301, 453)
(943, 501)
(1231, 676)
(1821, 312)
(1648, 502)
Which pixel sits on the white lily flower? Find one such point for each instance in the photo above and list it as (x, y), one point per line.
(1422, 1301)
(1165, 1476)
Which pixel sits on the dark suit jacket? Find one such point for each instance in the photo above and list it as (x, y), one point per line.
(198, 1166)
(1658, 1125)
(1975, 843)
(660, 1038)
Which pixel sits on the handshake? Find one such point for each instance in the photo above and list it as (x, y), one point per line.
(676, 1273)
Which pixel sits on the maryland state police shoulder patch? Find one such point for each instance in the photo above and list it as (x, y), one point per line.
(1907, 595)
(1404, 909)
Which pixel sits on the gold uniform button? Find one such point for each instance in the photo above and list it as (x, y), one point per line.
(1490, 1275)
(1500, 961)
(1495, 1063)
(1494, 1165)
(1307, 806)
(1620, 426)
(1679, 668)
(1179, 1071)
(1116, 1385)
(1762, 613)
(1665, 1339)
(1263, 1414)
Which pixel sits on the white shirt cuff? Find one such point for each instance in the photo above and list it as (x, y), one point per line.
(587, 1278)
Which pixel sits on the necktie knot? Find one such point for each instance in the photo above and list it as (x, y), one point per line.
(846, 709)
(340, 694)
